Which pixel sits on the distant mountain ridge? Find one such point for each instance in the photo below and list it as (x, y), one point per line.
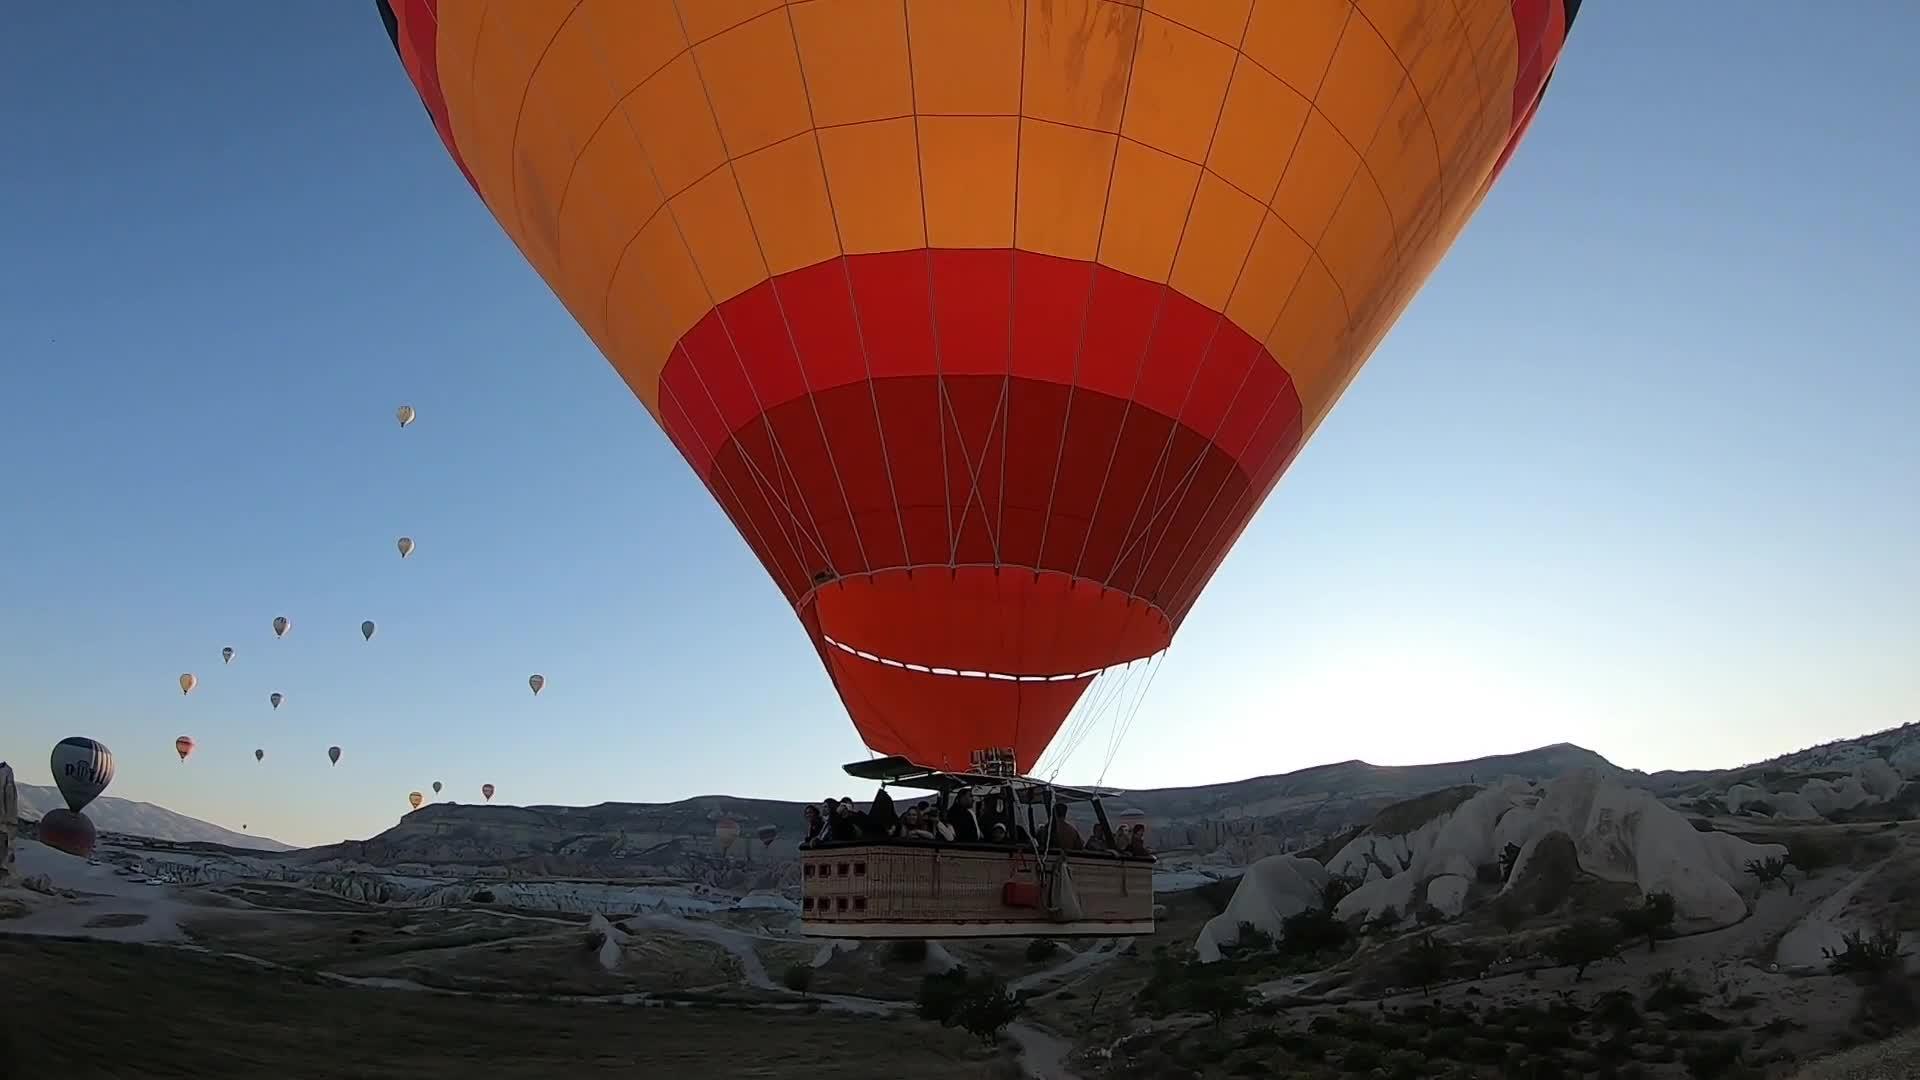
(1233, 822)
(132, 818)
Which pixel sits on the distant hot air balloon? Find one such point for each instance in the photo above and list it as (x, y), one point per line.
(436, 787)
(366, 630)
(259, 755)
(486, 792)
(333, 754)
(404, 414)
(280, 625)
(68, 831)
(536, 681)
(226, 655)
(183, 746)
(82, 769)
(414, 799)
(990, 393)
(276, 698)
(726, 831)
(405, 544)
(767, 834)
(188, 682)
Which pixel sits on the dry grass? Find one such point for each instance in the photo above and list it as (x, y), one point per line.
(83, 1010)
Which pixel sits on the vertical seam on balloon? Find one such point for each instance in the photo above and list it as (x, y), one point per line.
(1160, 307)
(513, 142)
(781, 460)
(768, 493)
(1146, 348)
(1013, 306)
(753, 469)
(1086, 311)
(933, 301)
(1254, 478)
(1177, 495)
(853, 303)
(786, 324)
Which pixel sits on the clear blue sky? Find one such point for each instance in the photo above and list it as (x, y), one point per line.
(1640, 469)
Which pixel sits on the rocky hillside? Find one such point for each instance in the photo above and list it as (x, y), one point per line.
(612, 840)
(1234, 823)
(1248, 819)
(144, 819)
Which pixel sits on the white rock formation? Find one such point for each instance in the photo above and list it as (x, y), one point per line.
(1880, 779)
(1272, 889)
(612, 941)
(1437, 861)
(1827, 797)
(9, 820)
(1627, 835)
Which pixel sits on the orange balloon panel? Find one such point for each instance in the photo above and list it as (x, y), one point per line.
(989, 324)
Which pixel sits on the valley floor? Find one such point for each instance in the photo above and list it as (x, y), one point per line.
(84, 1009)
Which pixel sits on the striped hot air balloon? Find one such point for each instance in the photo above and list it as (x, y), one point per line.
(989, 325)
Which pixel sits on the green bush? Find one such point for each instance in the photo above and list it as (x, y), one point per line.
(484, 896)
(1865, 955)
(797, 977)
(1041, 948)
(1583, 943)
(979, 1004)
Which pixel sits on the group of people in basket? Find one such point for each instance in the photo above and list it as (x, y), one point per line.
(960, 821)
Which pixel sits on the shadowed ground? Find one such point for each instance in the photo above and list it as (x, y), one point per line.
(77, 1009)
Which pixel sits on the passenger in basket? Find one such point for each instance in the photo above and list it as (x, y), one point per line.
(1101, 840)
(1137, 845)
(828, 809)
(812, 816)
(846, 827)
(1061, 835)
(937, 819)
(966, 827)
(882, 822)
(913, 824)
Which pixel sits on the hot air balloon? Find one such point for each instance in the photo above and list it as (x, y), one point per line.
(536, 681)
(990, 327)
(366, 630)
(276, 698)
(404, 414)
(68, 831)
(414, 799)
(333, 754)
(226, 655)
(436, 787)
(405, 544)
(183, 746)
(280, 625)
(486, 792)
(1044, 307)
(767, 834)
(82, 768)
(726, 831)
(187, 683)
(259, 755)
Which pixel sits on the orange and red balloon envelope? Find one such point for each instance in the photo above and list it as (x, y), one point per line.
(989, 325)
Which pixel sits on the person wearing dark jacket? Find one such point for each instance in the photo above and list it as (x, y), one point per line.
(966, 828)
(846, 825)
(882, 821)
